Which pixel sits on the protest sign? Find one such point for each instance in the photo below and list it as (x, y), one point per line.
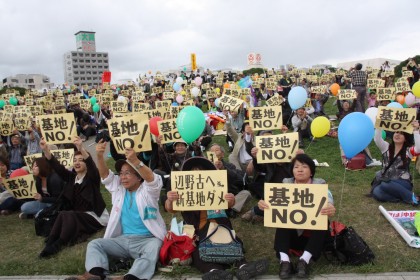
(119, 106)
(30, 159)
(22, 123)
(165, 104)
(168, 130)
(402, 86)
(265, 118)
(140, 106)
(388, 73)
(385, 94)
(296, 206)
(175, 111)
(64, 156)
(375, 83)
(319, 89)
(35, 110)
(85, 104)
(346, 94)
(211, 156)
(407, 74)
(58, 111)
(210, 93)
(200, 190)
(277, 148)
(271, 84)
(403, 222)
(58, 129)
(168, 95)
(157, 113)
(395, 119)
(7, 127)
(130, 131)
(230, 103)
(276, 100)
(21, 187)
(308, 103)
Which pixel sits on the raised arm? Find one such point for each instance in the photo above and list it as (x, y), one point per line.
(145, 172)
(100, 150)
(380, 143)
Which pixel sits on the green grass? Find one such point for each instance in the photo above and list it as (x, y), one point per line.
(20, 246)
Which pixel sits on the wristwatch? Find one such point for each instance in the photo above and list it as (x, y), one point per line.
(141, 164)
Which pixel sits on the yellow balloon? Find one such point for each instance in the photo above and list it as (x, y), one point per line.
(416, 89)
(217, 90)
(320, 126)
(183, 92)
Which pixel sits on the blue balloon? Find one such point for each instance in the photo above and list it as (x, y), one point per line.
(174, 104)
(297, 97)
(216, 102)
(355, 133)
(394, 105)
(176, 87)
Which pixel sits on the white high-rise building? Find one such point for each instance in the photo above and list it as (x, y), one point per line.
(85, 66)
(29, 81)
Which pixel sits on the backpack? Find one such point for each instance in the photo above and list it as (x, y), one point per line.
(358, 162)
(176, 249)
(345, 246)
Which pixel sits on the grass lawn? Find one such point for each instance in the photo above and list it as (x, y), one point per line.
(20, 246)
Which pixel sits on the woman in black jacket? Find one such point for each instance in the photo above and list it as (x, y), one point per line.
(48, 186)
(82, 192)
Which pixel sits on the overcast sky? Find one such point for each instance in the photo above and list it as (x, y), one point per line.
(160, 35)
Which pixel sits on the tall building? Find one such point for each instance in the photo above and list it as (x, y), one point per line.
(85, 65)
(29, 81)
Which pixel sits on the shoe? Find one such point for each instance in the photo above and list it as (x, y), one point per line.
(86, 276)
(218, 274)
(415, 200)
(248, 216)
(252, 269)
(374, 163)
(52, 249)
(302, 269)
(25, 216)
(286, 270)
(5, 212)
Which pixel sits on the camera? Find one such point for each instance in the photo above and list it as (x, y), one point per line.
(104, 134)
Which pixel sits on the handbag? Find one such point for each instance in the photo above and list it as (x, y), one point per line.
(176, 249)
(346, 246)
(220, 246)
(45, 219)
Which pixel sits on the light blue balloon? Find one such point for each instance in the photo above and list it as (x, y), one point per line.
(216, 102)
(355, 133)
(174, 104)
(176, 87)
(297, 97)
(394, 105)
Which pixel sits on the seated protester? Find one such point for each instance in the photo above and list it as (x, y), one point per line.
(303, 169)
(48, 186)
(239, 157)
(344, 108)
(135, 229)
(16, 150)
(301, 123)
(211, 105)
(86, 128)
(201, 221)
(318, 103)
(394, 182)
(8, 203)
(235, 179)
(87, 213)
(32, 140)
(206, 137)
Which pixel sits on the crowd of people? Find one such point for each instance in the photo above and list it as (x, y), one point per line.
(135, 228)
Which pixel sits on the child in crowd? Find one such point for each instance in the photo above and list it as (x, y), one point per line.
(372, 100)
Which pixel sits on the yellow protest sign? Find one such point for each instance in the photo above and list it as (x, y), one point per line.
(119, 106)
(21, 187)
(211, 93)
(319, 89)
(130, 131)
(168, 130)
(9, 108)
(407, 74)
(277, 148)
(168, 95)
(64, 156)
(395, 119)
(35, 110)
(276, 100)
(58, 111)
(388, 73)
(402, 86)
(375, 83)
(271, 84)
(385, 94)
(30, 159)
(22, 123)
(205, 86)
(6, 127)
(125, 92)
(265, 118)
(211, 156)
(230, 103)
(200, 190)
(140, 107)
(157, 113)
(296, 206)
(175, 110)
(165, 104)
(308, 103)
(85, 104)
(58, 129)
(346, 94)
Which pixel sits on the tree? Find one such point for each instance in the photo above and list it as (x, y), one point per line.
(398, 68)
(251, 71)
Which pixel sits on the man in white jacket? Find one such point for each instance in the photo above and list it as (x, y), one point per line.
(135, 228)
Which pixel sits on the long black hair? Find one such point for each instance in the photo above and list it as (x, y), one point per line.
(408, 142)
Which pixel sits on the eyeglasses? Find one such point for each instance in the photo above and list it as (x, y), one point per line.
(126, 173)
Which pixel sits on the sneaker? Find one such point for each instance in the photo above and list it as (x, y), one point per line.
(415, 200)
(218, 274)
(286, 270)
(25, 216)
(252, 269)
(374, 163)
(302, 269)
(248, 216)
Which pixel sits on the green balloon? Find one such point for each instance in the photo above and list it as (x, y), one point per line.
(190, 123)
(383, 134)
(185, 68)
(2, 103)
(93, 100)
(13, 101)
(405, 105)
(96, 108)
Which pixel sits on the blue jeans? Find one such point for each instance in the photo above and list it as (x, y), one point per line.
(143, 249)
(33, 207)
(394, 191)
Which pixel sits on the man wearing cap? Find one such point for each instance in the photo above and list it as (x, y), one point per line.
(135, 228)
(16, 150)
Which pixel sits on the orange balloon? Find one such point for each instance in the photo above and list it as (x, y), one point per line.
(334, 89)
(227, 85)
(400, 99)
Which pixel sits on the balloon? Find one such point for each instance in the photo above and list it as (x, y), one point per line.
(383, 134)
(121, 98)
(405, 105)
(226, 85)
(410, 99)
(150, 72)
(195, 91)
(13, 101)
(174, 104)
(183, 92)
(355, 132)
(394, 105)
(400, 99)
(179, 80)
(218, 90)
(176, 87)
(416, 89)
(185, 68)
(334, 89)
(179, 99)
(154, 126)
(96, 108)
(68, 90)
(216, 102)
(190, 123)
(198, 81)
(320, 126)
(93, 100)
(297, 97)
(371, 113)
(2, 103)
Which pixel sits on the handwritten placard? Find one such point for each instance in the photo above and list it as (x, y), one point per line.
(277, 148)
(346, 94)
(266, 118)
(21, 187)
(58, 129)
(168, 130)
(395, 119)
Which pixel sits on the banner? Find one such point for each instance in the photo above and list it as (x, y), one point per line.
(168, 130)
(385, 94)
(395, 119)
(346, 94)
(230, 103)
(265, 118)
(21, 187)
(58, 129)
(277, 148)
